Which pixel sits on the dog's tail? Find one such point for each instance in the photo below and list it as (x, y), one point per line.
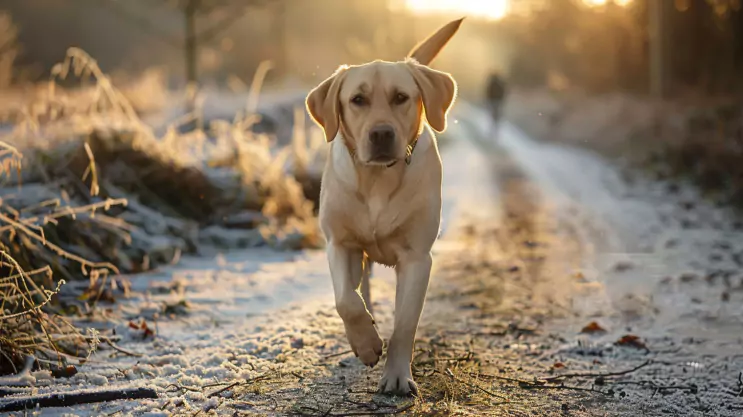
(426, 50)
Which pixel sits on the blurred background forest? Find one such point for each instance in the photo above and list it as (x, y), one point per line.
(594, 45)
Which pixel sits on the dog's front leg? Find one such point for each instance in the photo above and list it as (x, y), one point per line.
(412, 284)
(346, 271)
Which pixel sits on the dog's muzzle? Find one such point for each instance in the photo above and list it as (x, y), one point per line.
(382, 139)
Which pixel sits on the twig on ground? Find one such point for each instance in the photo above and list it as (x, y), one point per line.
(223, 389)
(540, 384)
(371, 406)
(597, 375)
(461, 332)
(120, 349)
(530, 385)
(76, 398)
(658, 388)
(320, 413)
(470, 356)
(239, 383)
(451, 375)
(181, 387)
(333, 355)
(363, 391)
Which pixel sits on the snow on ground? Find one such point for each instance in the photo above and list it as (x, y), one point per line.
(632, 255)
(640, 229)
(244, 308)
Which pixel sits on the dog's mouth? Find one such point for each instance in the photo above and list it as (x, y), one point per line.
(382, 159)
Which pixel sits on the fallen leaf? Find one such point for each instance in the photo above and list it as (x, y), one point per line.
(593, 327)
(147, 330)
(558, 365)
(631, 340)
(142, 326)
(67, 372)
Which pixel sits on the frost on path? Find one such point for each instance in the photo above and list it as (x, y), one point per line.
(559, 287)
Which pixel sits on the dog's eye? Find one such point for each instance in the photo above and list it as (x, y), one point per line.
(401, 98)
(358, 100)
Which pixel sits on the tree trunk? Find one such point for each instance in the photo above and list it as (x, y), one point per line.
(658, 24)
(282, 36)
(191, 42)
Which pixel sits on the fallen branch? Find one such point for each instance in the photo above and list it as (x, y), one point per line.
(238, 383)
(540, 384)
(691, 388)
(181, 388)
(333, 355)
(76, 398)
(451, 375)
(531, 385)
(470, 356)
(598, 376)
(223, 389)
(120, 349)
(355, 413)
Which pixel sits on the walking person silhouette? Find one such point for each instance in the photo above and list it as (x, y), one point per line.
(495, 97)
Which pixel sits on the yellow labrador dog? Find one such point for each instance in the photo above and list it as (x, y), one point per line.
(381, 191)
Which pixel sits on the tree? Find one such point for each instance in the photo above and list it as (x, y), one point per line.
(8, 48)
(222, 14)
(229, 11)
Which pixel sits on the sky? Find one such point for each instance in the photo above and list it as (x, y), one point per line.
(493, 9)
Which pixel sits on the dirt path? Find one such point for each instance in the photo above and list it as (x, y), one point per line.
(540, 242)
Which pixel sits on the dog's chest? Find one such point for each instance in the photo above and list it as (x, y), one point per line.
(380, 219)
(378, 209)
(375, 222)
(380, 231)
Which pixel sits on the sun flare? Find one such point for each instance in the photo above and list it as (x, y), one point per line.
(492, 10)
(604, 2)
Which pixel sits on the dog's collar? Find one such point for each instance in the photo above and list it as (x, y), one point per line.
(408, 153)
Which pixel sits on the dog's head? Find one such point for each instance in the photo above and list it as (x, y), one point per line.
(379, 107)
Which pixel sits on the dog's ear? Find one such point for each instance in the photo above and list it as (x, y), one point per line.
(322, 103)
(428, 48)
(438, 91)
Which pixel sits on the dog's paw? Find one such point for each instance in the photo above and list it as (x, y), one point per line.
(398, 380)
(365, 340)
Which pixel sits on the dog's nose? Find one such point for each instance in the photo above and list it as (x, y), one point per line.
(382, 137)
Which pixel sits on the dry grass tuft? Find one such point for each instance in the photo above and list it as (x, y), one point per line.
(155, 195)
(99, 193)
(26, 329)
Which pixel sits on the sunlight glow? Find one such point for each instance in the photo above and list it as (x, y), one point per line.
(603, 2)
(488, 9)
